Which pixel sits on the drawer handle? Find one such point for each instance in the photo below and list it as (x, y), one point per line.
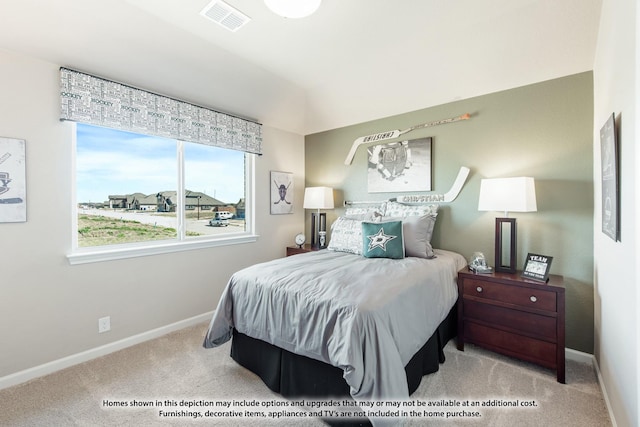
(479, 289)
(533, 298)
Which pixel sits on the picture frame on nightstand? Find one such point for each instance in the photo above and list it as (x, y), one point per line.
(536, 267)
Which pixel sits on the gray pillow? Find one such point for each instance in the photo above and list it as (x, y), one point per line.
(417, 231)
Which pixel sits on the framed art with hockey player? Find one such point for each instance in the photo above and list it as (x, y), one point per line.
(281, 193)
(13, 187)
(400, 166)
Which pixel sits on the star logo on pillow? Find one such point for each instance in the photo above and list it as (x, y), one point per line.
(380, 240)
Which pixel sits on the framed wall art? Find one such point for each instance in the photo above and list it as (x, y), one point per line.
(13, 186)
(400, 166)
(281, 193)
(610, 184)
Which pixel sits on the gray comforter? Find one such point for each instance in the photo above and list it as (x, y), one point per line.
(367, 316)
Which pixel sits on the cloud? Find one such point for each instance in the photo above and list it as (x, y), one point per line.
(110, 162)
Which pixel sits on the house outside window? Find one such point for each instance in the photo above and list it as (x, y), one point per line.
(136, 191)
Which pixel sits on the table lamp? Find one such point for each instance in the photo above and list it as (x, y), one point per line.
(318, 198)
(507, 195)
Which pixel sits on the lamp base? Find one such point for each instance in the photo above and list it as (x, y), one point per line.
(505, 256)
(319, 230)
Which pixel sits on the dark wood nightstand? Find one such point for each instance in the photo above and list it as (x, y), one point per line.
(518, 317)
(293, 250)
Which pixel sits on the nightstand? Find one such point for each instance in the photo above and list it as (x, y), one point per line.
(518, 317)
(294, 250)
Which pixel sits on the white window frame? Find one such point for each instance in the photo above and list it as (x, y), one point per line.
(84, 255)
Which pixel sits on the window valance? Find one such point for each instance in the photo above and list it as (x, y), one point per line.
(94, 100)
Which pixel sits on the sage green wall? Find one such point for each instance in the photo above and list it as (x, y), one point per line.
(543, 130)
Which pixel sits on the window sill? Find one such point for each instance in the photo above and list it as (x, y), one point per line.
(99, 254)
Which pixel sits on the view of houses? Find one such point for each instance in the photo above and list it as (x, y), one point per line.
(166, 201)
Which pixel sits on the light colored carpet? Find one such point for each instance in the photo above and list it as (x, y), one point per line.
(176, 367)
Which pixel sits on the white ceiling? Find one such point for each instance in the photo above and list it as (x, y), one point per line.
(350, 62)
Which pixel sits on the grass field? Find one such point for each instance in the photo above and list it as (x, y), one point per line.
(99, 230)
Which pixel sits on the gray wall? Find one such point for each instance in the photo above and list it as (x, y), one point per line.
(49, 309)
(542, 130)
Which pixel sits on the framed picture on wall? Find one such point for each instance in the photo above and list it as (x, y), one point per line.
(281, 193)
(400, 166)
(610, 184)
(13, 186)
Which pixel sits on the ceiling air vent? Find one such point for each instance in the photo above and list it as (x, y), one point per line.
(227, 16)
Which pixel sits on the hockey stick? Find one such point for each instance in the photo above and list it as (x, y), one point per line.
(447, 197)
(11, 200)
(382, 136)
(5, 157)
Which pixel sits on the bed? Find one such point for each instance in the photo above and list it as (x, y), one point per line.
(340, 322)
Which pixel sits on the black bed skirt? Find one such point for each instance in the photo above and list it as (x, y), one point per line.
(295, 376)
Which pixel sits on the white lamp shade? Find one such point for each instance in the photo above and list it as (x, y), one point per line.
(318, 198)
(293, 8)
(508, 195)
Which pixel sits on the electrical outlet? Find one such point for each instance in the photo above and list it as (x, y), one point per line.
(104, 324)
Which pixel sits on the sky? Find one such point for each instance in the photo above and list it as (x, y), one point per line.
(110, 162)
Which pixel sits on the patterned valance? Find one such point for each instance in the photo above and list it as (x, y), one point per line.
(93, 100)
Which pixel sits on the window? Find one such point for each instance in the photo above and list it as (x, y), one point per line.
(142, 194)
(137, 194)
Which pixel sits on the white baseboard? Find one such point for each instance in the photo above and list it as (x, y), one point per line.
(604, 393)
(75, 359)
(578, 356)
(85, 356)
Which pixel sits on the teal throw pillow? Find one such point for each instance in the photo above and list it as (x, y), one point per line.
(382, 240)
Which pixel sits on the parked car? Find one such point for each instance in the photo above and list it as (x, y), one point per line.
(220, 219)
(223, 215)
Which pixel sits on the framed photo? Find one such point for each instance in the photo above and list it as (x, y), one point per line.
(537, 267)
(281, 193)
(400, 166)
(610, 184)
(13, 186)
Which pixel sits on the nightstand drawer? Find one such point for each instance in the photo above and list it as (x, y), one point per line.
(522, 296)
(531, 324)
(541, 352)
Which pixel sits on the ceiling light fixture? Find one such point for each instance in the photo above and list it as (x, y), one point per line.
(293, 8)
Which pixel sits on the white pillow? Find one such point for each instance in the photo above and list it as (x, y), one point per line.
(396, 209)
(346, 236)
(365, 212)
